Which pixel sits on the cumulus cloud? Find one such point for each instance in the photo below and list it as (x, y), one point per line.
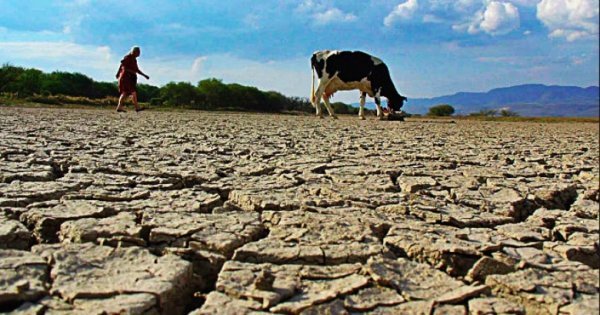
(403, 11)
(492, 17)
(500, 18)
(333, 15)
(182, 68)
(323, 13)
(570, 19)
(497, 18)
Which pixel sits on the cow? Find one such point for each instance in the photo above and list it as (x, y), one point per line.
(349, 70)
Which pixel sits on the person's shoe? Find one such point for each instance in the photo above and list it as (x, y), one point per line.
(139, 109)
(120, 110)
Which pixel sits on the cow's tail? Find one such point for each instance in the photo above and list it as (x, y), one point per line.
(312, 85)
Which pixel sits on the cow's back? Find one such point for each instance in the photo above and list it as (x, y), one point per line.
(350, 66)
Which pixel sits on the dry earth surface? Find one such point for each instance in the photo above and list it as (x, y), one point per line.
(206, 213)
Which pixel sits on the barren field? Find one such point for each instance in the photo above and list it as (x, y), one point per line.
(205, 213)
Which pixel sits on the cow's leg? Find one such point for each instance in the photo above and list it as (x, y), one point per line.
(317, 98)
(378, 105)
(328, 106)
(361, 110)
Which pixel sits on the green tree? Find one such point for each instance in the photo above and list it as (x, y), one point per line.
(8, 78)
(104, 89)
(441, 110)
(505, 112)
(243, 97)
(66, 83)
(216, 93)
(29, 82)
(179, 94)
(147, 92)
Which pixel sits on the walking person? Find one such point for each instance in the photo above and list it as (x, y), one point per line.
(127, 76)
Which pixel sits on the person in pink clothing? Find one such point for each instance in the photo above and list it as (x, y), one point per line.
(127, 76)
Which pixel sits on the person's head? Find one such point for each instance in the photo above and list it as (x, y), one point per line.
(135, 50)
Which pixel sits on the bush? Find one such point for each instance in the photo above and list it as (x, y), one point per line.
(441, 110)
(156, 101)
(508, 113)
(343, 108)
(485, 113)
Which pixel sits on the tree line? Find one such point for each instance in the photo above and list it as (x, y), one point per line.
(208, 94)
(24, 82)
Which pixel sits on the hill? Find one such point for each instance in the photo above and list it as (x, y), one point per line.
(527, 100)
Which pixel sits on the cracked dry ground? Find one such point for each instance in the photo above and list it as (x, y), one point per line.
(203, 213)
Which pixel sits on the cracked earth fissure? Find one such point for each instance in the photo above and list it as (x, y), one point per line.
(238, 213)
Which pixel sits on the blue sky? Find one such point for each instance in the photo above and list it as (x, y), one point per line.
(432, 48)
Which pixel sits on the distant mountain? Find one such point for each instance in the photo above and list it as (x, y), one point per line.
(526, 100)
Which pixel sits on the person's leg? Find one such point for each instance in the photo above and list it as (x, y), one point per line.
(135, 101)
(120, 104)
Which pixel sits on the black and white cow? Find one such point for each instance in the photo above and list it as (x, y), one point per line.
(349, 70)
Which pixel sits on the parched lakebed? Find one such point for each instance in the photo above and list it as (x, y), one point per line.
(205, 213)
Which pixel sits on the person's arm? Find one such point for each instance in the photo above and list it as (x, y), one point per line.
(145, 75)
(135, 72)
(137, 69)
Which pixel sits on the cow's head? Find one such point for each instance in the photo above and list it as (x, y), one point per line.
(395, 103)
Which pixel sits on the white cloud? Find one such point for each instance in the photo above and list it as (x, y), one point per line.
(70, 53)
(497, 18)
(323, 13)
(310, 5)
(197, 64)
(500, 18)
(177, 69)
(494, 17)
(402, 11)
(570, 19)
(430, 18)
(333, 15)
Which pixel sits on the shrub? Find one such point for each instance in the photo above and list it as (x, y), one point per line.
(485, 113)
(156, 101)
(508, 113)
(441, 110)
